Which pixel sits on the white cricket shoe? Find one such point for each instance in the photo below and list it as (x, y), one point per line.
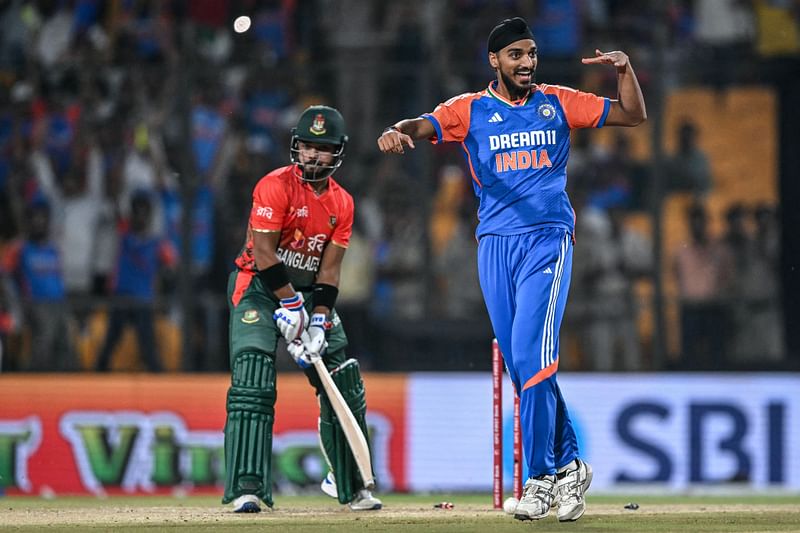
(247, 503)
(365, 501)
(328, 485)
(537, 498)
(570, 490)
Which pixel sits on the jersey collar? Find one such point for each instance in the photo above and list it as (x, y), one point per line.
(491, 89)
(298, 174)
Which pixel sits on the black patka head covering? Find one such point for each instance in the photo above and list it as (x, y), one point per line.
(507, 32)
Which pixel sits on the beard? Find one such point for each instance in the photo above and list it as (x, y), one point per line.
(515, 90)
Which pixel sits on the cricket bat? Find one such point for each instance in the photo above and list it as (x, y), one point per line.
(352, 431)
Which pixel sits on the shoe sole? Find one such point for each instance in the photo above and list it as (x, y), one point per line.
(525, 517)
(589, 475)
(375, 507)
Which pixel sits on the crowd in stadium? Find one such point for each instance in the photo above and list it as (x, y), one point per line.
(118, 117)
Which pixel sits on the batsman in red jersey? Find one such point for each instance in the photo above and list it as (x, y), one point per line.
(285, 284)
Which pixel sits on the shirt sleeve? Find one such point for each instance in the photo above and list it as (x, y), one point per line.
(167, 254)
(451, 119)
(344, 226)
(9, 260)
(270, 199)
(583, 110)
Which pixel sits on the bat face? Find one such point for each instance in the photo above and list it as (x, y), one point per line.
(352, 431)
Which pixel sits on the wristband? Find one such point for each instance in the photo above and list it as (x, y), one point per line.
(320, 320)
(392, 128)
(295, 303)
(324, 295)
(274, 277)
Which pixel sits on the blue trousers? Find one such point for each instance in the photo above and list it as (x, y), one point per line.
(525, 282)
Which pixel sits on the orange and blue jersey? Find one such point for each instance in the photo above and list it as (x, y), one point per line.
(517, 152)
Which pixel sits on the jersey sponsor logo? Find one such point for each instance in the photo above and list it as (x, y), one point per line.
(496, 117)
(318, 126)
(264, 212)
(250, 316)
(302, 212)
(298, 240)
(546, 112)
(317, 242)
(521, 160)
(522, 139)
(298, 260)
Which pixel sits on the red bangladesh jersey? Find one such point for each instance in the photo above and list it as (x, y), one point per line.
(308, 222)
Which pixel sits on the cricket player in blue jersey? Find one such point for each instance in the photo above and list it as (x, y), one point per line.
(515, 135)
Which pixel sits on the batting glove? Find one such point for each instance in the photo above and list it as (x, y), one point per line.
(311, 345)
(301, 356)
(316, 334)
(291, 317)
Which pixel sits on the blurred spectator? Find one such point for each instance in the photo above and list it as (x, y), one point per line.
(356, 287)
(446, 210)
(778, 27)
(586, 160)
(141, 257)
(703, 272)
(557, 27)
(740, 248)
(81, 214)
(460, 295)
(55, 35)
(689, 169)
(139, 170)
(35, 265)
(400, 253)
(83, 81)
(724, 31)
(265, 100)
(618, 179)
(10, 319)
(723, 24)
(756, 336)
(609, 259)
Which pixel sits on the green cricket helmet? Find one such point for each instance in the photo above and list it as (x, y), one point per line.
(319, 124)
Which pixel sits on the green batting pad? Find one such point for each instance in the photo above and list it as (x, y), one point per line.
(248, 429)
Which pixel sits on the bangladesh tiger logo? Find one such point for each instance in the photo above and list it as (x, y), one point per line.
(318, 126)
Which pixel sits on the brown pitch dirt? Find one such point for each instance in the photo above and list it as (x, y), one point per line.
(111, 515)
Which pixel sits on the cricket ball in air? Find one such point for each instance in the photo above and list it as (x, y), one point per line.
(241, 24)
(510, 505)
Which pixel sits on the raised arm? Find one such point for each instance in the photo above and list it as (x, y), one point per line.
(405, 133)
(628, 109)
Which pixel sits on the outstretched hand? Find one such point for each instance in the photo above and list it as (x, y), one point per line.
(392, 141)
(616, 58)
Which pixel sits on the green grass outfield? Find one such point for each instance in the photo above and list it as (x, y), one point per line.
(402, 512)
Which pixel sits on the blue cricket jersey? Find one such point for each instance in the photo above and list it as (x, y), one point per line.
(517, 152)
